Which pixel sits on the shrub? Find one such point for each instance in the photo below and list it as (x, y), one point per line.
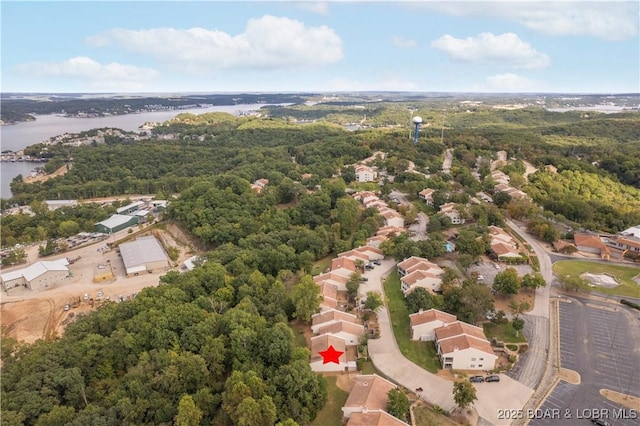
(630, 304)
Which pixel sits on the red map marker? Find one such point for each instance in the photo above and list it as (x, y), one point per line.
(330, 355)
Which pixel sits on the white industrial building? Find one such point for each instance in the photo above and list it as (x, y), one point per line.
(145, 254)
(45, 273)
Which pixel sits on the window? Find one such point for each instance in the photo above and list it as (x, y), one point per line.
(473, 359)
(479, 365)
(473, 366)
(481, 359)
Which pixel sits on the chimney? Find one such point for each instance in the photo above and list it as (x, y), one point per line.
(420, 311)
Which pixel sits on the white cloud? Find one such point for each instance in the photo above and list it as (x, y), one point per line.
(508, 83)
(610, 20)
(403, 42)
(319, 7)
(109, 76)
(487, 48)
(268, 42)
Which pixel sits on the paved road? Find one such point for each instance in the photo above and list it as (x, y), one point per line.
(448, 159)
(386, 356)
(419, 228)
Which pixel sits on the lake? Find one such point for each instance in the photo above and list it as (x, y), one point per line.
(18, 136)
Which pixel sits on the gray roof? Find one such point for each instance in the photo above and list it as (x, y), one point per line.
(115, 220)
(141, 251)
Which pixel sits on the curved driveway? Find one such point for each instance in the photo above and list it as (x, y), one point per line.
(386, 356)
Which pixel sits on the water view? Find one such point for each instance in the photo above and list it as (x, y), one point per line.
(20, 135)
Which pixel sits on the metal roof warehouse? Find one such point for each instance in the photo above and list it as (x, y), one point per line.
(143, 254)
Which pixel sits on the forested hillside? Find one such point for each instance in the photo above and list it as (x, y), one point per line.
(204, 345)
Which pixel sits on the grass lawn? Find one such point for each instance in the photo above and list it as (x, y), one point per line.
(368, 368)
(331, 413)
(299, 329)
(425, 416)
(320, 265)
(624, 274)
(503, 332)
(422, 353)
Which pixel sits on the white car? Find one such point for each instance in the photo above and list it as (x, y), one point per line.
(496, 266)
(86, 296)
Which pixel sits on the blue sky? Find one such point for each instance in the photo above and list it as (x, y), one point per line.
(558, 46)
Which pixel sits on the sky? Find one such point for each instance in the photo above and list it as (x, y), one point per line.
(559, 46)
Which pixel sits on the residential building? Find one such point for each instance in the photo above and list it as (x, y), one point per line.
(424, 279)
(365, 253)
(330, 316)
(427, 196)
(424, 323)
(343, 266)
(365, 173)
(503, 245)
(365, 196)
(392, 217)
(374, 418)
(348, 331)
(369, 393)
(42, 274)
(322, 343)
(500, 177)
(259, 185)
(386, 231)
(450, 210)
(376, 240)
(588, 243)
(415, 263)
(462, 346)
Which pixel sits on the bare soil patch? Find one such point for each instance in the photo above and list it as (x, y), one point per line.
(345, 381)
(502, 302)
(29, 315)
(43, 178)
(570, 376)
(627, 401)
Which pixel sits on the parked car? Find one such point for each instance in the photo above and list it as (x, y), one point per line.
(599, 422)
(377, 262)
(492, 378)
(496, 266)
(364, 279)
(67, 307)
(476, 379)
(86, 296)
(480, 277)
(100, 293)
(368, 266)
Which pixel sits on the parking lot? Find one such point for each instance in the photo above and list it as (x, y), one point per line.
(488, 270)
(599, 342)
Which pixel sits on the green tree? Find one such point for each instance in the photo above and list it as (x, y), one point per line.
(518, 324)
(501, 198)
(573, 283)
(353, 285)
(418, 299)
(398, 404)
(188, 413)
(306, 299)
(374, 301)
(507, 281)
(464, 394)
(59, 416)
(533, 281)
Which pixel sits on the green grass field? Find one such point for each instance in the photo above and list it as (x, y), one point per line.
(624, 274)
(320, 265)
(422, 353)
(425, 416)
(331, 413)
(503, 332)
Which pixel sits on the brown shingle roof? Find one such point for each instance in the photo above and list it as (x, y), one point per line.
(347, 327)
(369, 391)
(374, 418)
(462, 342)
(322, 343)
(457, 328)
(343, 262)
(431, 315)
(332, 315)
(588, 240)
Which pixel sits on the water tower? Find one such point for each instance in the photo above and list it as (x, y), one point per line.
(417, 121)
